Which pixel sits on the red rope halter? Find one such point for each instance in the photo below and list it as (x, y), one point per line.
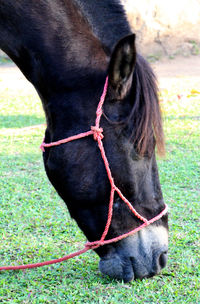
(97, 133)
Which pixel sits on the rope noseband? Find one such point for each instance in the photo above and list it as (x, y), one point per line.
(97, 133)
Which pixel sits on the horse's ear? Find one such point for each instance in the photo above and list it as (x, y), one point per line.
(122, 66)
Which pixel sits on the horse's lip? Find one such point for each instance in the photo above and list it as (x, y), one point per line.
(117, 268)
(130, 275)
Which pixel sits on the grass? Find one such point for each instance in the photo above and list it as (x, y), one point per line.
(35, 224)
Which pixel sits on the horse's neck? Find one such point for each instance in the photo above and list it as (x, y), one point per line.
(107, 19)
(50, 41)
(54, 43)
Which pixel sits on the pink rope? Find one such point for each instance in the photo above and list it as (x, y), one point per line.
(36, 265)
(65, 140)
(97, 133)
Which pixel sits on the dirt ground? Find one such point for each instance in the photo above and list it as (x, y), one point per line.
(178, 75)
(181, 72)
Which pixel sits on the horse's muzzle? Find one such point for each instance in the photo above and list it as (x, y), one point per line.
(140, 256)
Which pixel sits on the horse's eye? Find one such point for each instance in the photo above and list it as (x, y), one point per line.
(115, 100)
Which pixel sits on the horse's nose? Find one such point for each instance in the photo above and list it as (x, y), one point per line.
(152, 266)
(160, 260)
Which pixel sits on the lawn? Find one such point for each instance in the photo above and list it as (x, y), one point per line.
(35, 224)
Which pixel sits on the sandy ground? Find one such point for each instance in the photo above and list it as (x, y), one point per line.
(12, 79)
(180, 72)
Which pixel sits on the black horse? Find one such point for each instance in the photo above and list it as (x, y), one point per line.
(66, 48)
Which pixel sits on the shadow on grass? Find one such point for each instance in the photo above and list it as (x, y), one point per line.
(20, 121)
(184, 117)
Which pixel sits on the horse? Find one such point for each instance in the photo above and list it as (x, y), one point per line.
(66, 49)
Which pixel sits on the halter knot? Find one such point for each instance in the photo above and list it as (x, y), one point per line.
(42, 147)
(97, 132)
(93, 245)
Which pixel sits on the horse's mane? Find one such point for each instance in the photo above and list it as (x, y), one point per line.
(145, 114)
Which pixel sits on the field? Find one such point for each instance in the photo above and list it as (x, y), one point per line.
(35, 225)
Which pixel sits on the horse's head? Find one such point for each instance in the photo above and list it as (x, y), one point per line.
(132, 126)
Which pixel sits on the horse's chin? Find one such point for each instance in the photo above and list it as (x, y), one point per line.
(136, 257)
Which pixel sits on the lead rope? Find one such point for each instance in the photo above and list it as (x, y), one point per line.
(97, 133)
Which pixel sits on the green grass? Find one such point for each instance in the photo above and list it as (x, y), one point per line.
(4, 60)
(35, 224)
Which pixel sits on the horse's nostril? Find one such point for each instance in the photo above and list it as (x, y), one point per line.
(151, 274)
(162, 259)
